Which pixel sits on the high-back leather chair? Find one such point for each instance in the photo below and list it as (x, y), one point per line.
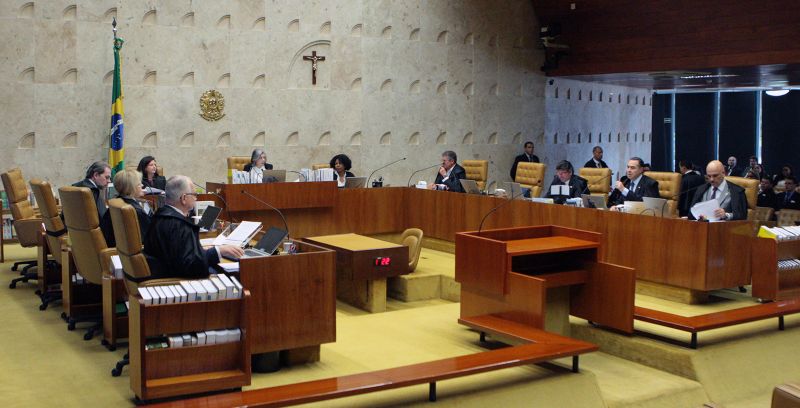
(320, 166)
(236, 163)
(531, 175)
(750, 187)
(598, 180)
(477, 170)
(89, 250)
(763, 214)
(26, 223)
(669, 188)
(412, 238)
(788, 217)
(55, 231)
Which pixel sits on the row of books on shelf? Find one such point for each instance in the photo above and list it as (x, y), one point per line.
(785, 233)
(785, 264)
(8, 227)
(195, 339)
(216, 287)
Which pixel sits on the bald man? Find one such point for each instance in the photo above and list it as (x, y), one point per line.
(731, 201)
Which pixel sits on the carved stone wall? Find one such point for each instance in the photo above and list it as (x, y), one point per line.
(401, 78)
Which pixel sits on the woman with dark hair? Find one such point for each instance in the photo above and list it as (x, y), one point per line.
(150, 178)
(786, 171)
(341, 165)
(258, 163)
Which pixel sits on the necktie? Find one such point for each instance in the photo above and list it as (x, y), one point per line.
(788, 197)
(598, 165)
(632, 187)
(714, 193)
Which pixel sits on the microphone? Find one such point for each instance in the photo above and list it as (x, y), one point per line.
(426, 168)
(480, 227)
(227, 212)
(297, 172)
(285, 225)
(383, 167)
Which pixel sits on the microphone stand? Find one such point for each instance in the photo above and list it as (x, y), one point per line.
(297, 172)
(227, 211)
(480, 227)
(426, 168)
(285, 225)
(381, 168)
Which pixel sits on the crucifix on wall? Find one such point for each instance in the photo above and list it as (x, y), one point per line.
(313, 58)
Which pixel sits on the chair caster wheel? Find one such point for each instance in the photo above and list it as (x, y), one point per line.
(112, 348)
(12, 285)
(71, 326)
(43, 306)
(104, 342)
(64, 315)
(115, 372)
(88, 336)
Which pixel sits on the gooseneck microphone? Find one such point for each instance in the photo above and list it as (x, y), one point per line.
(480, 227)
(285, 225)
(417, 171)
(297, 172)
(383, 167)
(225, 203)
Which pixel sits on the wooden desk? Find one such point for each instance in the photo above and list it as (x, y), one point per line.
(279, 195)
(699, 256)
(360, 280)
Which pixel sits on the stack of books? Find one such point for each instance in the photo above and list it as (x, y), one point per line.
(216, 287)
(786, 264)
(195, 339)
(786, 233)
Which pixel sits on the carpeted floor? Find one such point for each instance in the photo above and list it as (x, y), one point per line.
(43, 364)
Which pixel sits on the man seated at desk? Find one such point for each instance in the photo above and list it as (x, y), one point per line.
(98, 175)
(730, 197)
(634, 186)
(172, 244)
(565, 176)
(450, 174)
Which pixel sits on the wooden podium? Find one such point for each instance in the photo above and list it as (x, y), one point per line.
(507, 273)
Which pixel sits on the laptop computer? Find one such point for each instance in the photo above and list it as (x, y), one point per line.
(210, 215)
(513, 190)
(355, 182)
(658, 205)
(273, 176)
(593, 201)
(268, 243)
(470, 186)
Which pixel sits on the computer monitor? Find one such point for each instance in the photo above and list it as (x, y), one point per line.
(273, 176)
(209, 217)
(470, 186)
(513, 190)
(355, 182)
(268, 243)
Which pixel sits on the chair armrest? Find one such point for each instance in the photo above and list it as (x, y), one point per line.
(105, 259)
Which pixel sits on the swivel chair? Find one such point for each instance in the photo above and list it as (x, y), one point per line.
(26, 223)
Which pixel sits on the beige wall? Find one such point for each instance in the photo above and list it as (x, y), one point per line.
(401, 78)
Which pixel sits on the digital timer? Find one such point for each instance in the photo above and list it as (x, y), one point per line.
(383, 261)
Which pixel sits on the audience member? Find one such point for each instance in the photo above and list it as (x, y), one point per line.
(526, 156)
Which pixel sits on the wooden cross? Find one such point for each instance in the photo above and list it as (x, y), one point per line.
(313, 58)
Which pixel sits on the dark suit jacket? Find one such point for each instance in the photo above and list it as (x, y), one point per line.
(767, 199)
(97, 194)
(736, 204)
(792, 204)
(646, 187)
(108, 230)
(172, 247)
(736, 171)
(248, 166)
(592, 164)
(690, 182)
(453, 183)
(577, 186)
(522, 158)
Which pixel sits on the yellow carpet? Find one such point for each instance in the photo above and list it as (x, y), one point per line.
(43, 364)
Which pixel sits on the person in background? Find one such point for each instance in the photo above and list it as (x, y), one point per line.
(526, 156)
(565, 175)
(128, 184)
(789, 199)
(690, 181)
(755, 172)
(172, 244)
(449, 175)
(341, 165)
(597, 159)
(258, 163)
(732, 169)
(149, 170)
(766, 194)
(98, 175)
(751, 167)
(786, 171)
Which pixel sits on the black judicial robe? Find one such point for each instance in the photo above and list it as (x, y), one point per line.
(172, 247)
(108, 229)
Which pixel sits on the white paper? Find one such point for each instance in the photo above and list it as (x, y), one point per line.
(207, 241)
(230, 266)
(240, 235)
(559, 189)
(705, 209)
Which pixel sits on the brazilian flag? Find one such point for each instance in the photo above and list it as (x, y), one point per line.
(116, 153)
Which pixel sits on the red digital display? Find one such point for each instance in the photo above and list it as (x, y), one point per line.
(383, 261)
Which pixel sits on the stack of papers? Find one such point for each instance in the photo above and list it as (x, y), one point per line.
(240, 236)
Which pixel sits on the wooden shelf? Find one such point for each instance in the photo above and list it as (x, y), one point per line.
(769, 282)
(532, 246)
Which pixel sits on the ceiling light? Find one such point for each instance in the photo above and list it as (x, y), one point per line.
(777, 92)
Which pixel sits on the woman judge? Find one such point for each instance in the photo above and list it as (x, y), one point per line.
(149, 170)
(341, 168)
(129, 189)
(258, 163)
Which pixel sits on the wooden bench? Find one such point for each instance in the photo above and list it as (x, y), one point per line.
(542, 346)
(696, 324)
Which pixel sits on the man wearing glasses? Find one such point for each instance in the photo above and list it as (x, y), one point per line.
(98, 175)
(731, 201)
(172, 245)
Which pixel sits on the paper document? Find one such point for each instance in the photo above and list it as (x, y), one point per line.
(207, 241)
(229, 266)
(559, 190)
(239, 236)
(706, 210)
